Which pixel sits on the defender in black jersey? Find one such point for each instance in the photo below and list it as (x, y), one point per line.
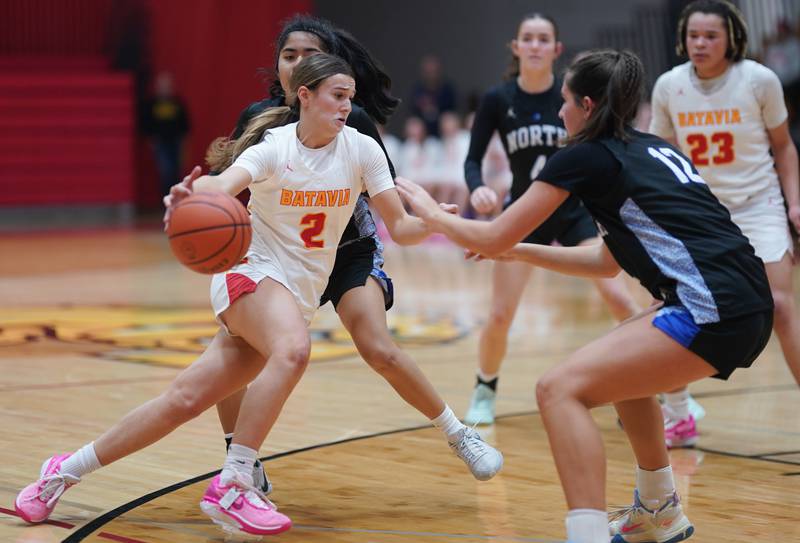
(524, 112)
(361, 303)
(661, 224)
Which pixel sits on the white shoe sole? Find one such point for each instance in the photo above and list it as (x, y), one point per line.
(228, 525)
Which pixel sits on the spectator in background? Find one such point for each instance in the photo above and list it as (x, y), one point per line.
(432, 95)
(782, 56)
(391, 143)
(451, 187)
(165, 122)
(418, 154)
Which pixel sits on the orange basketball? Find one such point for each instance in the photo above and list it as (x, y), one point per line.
(209, 232)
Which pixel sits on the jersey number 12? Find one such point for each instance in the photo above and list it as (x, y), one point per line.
(677, 163)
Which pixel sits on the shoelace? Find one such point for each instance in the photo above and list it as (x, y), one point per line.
(253, 495)
(471, 445)
(53, 486)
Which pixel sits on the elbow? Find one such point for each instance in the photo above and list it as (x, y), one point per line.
(494, 245)
(609, 269)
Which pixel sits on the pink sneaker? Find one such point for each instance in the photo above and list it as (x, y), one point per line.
(37, 500)
(238, 508)
(680, 433)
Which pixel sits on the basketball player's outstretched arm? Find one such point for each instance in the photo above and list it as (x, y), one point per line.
(404, 229)
(584, 261)
(233, 181)
(487, 238)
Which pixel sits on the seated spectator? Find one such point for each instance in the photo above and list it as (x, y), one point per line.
(432, 95)
(450, 186)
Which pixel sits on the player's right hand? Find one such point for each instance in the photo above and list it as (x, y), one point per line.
(484, 200)
(179, 192)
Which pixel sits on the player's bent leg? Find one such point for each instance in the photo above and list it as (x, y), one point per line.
(226, 365)
(787, 320)
(361, 310)
(270, 320)
(508, 283)
(635, 360)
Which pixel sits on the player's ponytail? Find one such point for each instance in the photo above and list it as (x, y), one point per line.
(373, 85)
(735, 26)
(614, 82)
(309, 73)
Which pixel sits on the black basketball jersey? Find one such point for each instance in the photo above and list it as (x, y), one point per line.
(528, 126)
(663, 225)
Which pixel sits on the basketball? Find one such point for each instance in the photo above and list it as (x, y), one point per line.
(209, 232)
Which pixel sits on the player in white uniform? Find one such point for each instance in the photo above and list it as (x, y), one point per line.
(728, 114)
(305, 179)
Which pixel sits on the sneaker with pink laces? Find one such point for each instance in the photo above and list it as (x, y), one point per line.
(680, 433)
(37, 500)
(237, 508)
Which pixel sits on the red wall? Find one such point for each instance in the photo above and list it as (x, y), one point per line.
(214, 51)
(213, 48)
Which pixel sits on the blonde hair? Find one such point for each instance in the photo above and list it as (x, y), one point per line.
(309, 73)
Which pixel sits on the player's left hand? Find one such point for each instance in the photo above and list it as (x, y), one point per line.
(420, 201)
(508, 256)
(449, 208)
(180, 191)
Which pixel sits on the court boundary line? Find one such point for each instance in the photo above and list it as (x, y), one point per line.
(95, 524)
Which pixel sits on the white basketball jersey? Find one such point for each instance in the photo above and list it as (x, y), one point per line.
(723, 131)
(302, 199)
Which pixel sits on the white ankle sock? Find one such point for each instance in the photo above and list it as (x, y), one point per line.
(678, 403)
(240, 461)
(486, 377)
(82, 462)
(655, 487)
(587, 526)
(448, 424)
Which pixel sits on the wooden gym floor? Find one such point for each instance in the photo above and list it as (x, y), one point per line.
(94, 323)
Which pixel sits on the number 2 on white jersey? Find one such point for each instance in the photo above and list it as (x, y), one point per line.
(315, 222)
(665, 153)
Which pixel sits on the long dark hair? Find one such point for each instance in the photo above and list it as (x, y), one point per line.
(735, 26)
(309, 72)
(373, 84)
(513, 65)
(614, 82)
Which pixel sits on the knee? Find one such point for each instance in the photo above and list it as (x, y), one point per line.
(501, 318)
(550, 389)
(383, 358)
(784, 310)
(557, 386)
(182, 404)
(294, 355)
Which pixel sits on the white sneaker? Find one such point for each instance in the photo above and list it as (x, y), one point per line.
(637, 524)
(483, 460)
(481, 406)
(695, 409)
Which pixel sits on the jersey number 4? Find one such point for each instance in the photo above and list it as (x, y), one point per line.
(315, 222)
(677, 163)
(700, 144)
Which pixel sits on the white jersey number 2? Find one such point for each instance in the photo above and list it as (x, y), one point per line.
(315, 223)
(664, 154)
